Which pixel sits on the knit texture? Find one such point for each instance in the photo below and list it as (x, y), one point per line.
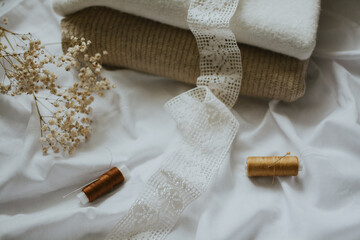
(152, 47)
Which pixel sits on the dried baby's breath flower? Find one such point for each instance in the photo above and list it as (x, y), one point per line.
(67, 122)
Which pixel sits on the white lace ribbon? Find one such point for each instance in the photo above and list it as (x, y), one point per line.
(206, 125)
(220, 59)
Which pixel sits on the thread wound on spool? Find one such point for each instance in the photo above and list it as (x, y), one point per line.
(272, 166)
(104, 184)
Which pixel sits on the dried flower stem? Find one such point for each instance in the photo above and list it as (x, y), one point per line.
(38, 111)
(68, 122)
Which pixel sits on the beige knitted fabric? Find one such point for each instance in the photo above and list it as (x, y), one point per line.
(144, 45)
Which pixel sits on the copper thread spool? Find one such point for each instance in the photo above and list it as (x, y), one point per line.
(104, 184)
(273, 166)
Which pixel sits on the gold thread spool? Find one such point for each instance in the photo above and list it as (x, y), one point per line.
(272, 166)
(104, 184)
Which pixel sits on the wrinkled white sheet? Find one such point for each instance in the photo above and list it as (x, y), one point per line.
(131, 127)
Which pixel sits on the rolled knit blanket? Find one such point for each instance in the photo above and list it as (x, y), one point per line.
(152, 47)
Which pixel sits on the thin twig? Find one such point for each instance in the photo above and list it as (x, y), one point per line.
(46, 107)
(38, 111)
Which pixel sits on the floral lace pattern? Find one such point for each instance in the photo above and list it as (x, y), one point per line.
(220, 59)
(206, 125)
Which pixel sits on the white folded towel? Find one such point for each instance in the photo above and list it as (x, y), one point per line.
(285, 26)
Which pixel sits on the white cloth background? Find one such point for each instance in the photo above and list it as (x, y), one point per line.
(132, 127)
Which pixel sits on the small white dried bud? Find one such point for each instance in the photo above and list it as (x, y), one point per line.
(52, 121)
(44, 127)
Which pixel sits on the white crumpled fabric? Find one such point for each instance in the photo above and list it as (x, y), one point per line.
(132, 127)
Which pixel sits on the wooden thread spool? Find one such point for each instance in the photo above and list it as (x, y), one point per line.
(272, 166)
(104, 184)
